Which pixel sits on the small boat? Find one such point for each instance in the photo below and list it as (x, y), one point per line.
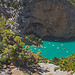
(38, 49)
(41, 46)
(44, 47)
(57, 47)
(66, 51)
(49, 42)
(34, 48)
(61, 44)
(53, 45)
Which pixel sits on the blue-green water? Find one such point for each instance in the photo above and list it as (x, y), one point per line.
(51, 49)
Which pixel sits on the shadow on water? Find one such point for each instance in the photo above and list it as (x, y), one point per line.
(55, 39)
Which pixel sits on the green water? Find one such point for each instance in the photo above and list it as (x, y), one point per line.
(50, 49)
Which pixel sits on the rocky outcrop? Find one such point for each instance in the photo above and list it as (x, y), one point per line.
(45, 17)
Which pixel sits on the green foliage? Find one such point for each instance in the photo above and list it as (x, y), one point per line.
(72, 1)
(13, 51)
(12, 4)
(7, 3)
(2, 21)
(25, 73)
(35, 39)
(72, 73)
(0, 65)
(68, 63)
(43, 59)
(2, 28)
(65, 63)
(11, 22)
(2, 25)
(56, 68)
(55, 61)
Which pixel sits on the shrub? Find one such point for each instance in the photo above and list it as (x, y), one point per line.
(13, 51)
(35, 39)
(12, 4)
(68, 63)
(11, 22)
(0, 65)
(56, 68)
(55, 61)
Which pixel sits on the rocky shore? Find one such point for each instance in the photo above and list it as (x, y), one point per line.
(42, 69)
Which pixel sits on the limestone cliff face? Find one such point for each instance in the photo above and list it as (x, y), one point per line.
(46, 17)
(54, 18)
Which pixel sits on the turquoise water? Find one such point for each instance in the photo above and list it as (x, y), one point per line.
(50, 49)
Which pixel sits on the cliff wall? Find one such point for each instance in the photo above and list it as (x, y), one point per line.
(45, 17)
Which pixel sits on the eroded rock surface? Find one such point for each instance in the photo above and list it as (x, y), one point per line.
(45, 17)
(48, 17)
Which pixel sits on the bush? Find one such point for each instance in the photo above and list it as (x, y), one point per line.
(56, 68)
(55, 61)
(13, 52)
(68, 63)
(35, 39)
(73, 1)
(11, 22)
(0, 65)
(12, 4)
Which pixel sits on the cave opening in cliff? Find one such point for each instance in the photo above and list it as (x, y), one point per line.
(35, 28)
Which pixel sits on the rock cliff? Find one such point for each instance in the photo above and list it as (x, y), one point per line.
(45, 17)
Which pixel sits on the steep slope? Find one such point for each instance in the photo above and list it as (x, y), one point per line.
(45, 17)
(48, 17)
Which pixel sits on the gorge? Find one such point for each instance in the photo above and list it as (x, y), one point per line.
(34, 32)
(54, 18)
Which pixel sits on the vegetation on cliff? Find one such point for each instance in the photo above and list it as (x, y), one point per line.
(12, 51)
(72, 1)
(65, 63)
(11, 4)
(35, 39)
(55, 61)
